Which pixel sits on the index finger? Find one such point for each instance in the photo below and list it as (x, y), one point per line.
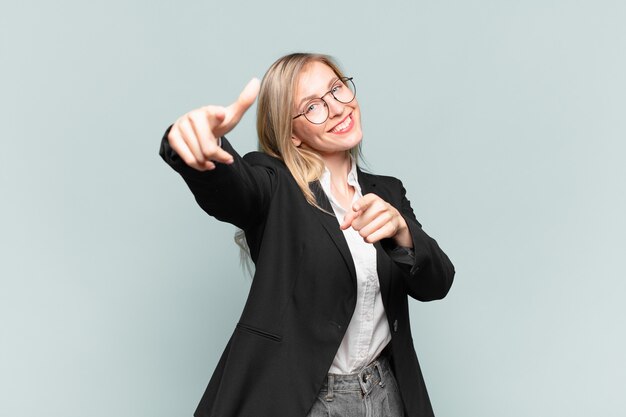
(364, 202)
(348, 219)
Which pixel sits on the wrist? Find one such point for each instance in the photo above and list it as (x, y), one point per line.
(403, 236)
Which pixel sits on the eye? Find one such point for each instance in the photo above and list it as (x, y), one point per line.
(313, 106)
(337, 87)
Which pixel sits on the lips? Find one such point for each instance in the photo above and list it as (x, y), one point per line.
(344, 126)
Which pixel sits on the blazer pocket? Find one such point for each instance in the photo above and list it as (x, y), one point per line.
(259, 332)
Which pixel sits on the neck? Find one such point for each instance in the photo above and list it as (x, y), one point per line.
(339, 165)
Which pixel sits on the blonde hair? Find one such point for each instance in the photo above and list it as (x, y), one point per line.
(275, 114)
(274, 128)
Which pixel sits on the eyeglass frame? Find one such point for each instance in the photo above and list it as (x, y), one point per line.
(343, 79)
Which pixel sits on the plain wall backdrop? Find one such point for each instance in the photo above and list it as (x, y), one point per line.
(504, 119)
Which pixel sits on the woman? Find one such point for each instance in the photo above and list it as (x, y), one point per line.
(325, 329)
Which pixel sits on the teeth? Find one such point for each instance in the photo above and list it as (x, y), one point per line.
(343, 125)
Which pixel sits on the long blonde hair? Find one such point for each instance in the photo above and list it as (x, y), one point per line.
(274, 128)
(274, 119)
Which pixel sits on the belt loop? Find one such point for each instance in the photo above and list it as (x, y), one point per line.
(331, 384)
(380, 374)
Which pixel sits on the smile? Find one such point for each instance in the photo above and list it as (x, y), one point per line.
(344, 126)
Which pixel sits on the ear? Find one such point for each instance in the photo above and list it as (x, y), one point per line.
(297, 142)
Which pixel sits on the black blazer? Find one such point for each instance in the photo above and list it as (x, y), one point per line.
(304, 289)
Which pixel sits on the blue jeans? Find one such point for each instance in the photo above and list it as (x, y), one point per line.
(373, 392)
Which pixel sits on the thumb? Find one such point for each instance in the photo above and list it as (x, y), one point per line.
(235, 111)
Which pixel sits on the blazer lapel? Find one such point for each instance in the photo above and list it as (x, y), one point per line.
(383, 262)
(329, 221)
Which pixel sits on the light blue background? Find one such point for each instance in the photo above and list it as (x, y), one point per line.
(505, 120)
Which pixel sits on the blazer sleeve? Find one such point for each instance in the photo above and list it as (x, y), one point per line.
(238, 193)
(431, 274)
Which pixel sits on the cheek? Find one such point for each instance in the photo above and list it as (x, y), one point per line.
(358, 118)
(298, 132)
(307, 132)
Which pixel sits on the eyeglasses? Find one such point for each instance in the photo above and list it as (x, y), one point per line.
(316, 110)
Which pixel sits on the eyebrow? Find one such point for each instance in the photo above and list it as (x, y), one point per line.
(311, 97)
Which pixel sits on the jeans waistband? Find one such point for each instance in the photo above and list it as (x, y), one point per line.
(364, 381)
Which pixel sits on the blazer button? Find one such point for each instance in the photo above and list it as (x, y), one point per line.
(395, 325)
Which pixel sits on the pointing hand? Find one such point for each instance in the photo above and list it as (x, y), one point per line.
(375, 219)
(194, 136)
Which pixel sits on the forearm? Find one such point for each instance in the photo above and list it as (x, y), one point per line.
(236, 193)
(431, 275)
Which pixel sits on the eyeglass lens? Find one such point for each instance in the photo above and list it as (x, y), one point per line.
(316, 111)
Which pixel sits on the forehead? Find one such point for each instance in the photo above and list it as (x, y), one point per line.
(314, 80)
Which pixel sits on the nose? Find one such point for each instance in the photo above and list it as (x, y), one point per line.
(334, 107)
